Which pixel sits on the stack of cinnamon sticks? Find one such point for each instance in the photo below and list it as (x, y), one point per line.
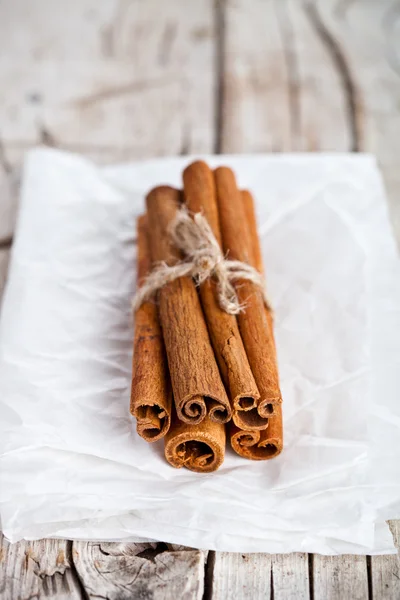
(200, 374)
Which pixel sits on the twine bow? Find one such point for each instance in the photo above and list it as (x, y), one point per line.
(203, 259)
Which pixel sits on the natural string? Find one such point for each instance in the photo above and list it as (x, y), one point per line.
(203, 259)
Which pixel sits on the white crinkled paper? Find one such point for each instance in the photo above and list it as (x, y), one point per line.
(71, 462)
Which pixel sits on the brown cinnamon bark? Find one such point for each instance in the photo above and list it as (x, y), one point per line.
(196, 382)
(151, 394)
(200, 447)
(258, 445)
(200, 196)
(251, 222)
(256, 257)
(253, 322)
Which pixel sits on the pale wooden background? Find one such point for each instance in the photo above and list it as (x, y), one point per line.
(123, 79)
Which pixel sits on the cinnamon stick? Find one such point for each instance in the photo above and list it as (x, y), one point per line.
(253, 322)
(196, 382)
(258, 445)
(255, 257)
(151, 393)
(256, 254)
(200, 447)
(200, 196)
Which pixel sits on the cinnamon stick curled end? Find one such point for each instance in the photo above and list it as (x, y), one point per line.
(246, 418)
(267, 408)
(255, 445)
(151, 394)
(199, 448)
(194, 409)
(153, 422)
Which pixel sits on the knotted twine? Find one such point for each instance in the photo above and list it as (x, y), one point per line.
(193, 236)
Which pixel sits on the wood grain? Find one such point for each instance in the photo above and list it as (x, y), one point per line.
(125, 571)
(241, 576)
(288, 83)
(366, 34)
(38, 570)
(339, 577)
(261, 576)
(255, 115)
(385, 573)
(64, 570)
(290, 576)
(313, 75)
(119, 60)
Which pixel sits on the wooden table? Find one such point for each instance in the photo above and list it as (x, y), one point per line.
(118, 80)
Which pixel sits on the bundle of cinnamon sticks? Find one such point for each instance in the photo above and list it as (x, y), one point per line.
(201, 374)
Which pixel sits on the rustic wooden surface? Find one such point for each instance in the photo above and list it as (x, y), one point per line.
(123, 79)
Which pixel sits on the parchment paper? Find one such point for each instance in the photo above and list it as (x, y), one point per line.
(71, 462)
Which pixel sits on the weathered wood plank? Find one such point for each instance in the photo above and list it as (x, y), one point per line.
(314, 75)
(124, 571)
(281, 91)
(290, 576)
(239, 576)
(385, 571)
(62, 570)
(263, 576)
(138, 76)
(366, 34)
(37, 570)
(385, 574)
(255, 111)
(312, 67)
(339, 577)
